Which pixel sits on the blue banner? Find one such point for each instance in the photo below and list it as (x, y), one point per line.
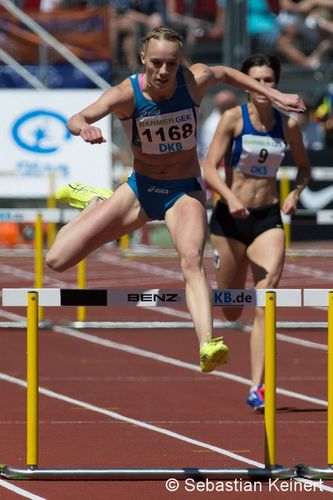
(55, 76)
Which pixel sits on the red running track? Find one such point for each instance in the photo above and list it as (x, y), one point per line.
(115, 375)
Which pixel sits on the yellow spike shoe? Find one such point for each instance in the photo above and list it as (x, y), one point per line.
(78, 195)
(213, 353)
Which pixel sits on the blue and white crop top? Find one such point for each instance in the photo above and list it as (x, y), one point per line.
(258, 154)
(162, 127)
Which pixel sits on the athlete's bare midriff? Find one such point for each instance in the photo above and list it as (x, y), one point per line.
(254, 192)
(180, 165)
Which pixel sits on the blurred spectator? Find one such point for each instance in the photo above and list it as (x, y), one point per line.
(129, 19)
(49, 5)
(223, 100)
(148, 14)
(312, 130)
(42, 5)
(324, 18)
(324, 114)
(197, 19)
(266, 34)
(71, 4)
(308, 23)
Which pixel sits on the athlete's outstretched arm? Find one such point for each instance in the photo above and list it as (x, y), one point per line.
(294, 138)
(207, 77)
(117, 100)
(218, 148)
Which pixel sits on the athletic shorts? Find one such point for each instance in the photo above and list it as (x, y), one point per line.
(245, 230)
(157, 196)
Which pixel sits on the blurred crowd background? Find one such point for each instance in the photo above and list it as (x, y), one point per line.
(106, 34)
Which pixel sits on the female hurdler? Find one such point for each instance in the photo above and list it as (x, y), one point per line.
(246, 227)
(158, 110)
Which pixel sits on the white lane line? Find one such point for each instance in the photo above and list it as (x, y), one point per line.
(147, 426)
(132, 421)
(184, 315)
(26, 275)
(293, 340)
(280, 423)
(167, 273)
(309, 271)
(165, 359)
(142, 266)
(19, 491)
(175, 362)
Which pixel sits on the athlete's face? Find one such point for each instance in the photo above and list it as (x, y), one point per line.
(264, 75)
(161, 59)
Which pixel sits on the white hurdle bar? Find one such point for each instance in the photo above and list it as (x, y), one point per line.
(143, 297)
(64, 215)
(313, 297)
(29, 214)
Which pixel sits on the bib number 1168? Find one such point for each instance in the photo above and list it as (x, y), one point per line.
(174, 133)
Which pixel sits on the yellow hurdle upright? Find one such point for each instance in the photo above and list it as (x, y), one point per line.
(270, 379)
(32, 380)
(39, 257)
(284, 191)
(330, 382)
(51, 203)
(81, 283)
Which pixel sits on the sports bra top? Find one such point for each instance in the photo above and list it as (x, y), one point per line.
(162, 127)
(255, 153)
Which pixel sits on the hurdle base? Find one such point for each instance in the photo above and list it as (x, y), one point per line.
(47, 325)
(258, 474)
(146, 324)
(308, 472)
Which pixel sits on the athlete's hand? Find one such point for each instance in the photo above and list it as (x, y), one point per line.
(237, 209)
(290, 204)
(289, 102)
(92, 134)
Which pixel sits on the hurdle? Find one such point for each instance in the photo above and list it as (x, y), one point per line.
(51, 216)
(323, 298)
(34, 298)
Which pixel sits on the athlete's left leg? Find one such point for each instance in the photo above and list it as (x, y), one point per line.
(187, 224)
(266, 256)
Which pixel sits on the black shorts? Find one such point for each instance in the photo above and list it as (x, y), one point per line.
(245, 230)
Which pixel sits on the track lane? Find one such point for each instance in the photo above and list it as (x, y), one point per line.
(160, 395)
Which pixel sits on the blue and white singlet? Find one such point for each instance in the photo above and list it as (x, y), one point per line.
(162, 127)
(258, 154)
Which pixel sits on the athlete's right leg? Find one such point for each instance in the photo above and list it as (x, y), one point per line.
(107, 221)
(231, 267)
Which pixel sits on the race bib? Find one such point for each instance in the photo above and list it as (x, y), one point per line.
(167, 133)
(261, 155)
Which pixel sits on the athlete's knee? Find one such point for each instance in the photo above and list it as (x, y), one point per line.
(55, 261)
(191, 260)
(272, 278)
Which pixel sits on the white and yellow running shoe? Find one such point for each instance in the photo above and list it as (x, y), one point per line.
(213, 353)
(78, 195)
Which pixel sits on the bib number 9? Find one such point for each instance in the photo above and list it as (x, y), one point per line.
(263, 156)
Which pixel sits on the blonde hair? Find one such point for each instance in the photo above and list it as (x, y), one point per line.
(162, 33)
